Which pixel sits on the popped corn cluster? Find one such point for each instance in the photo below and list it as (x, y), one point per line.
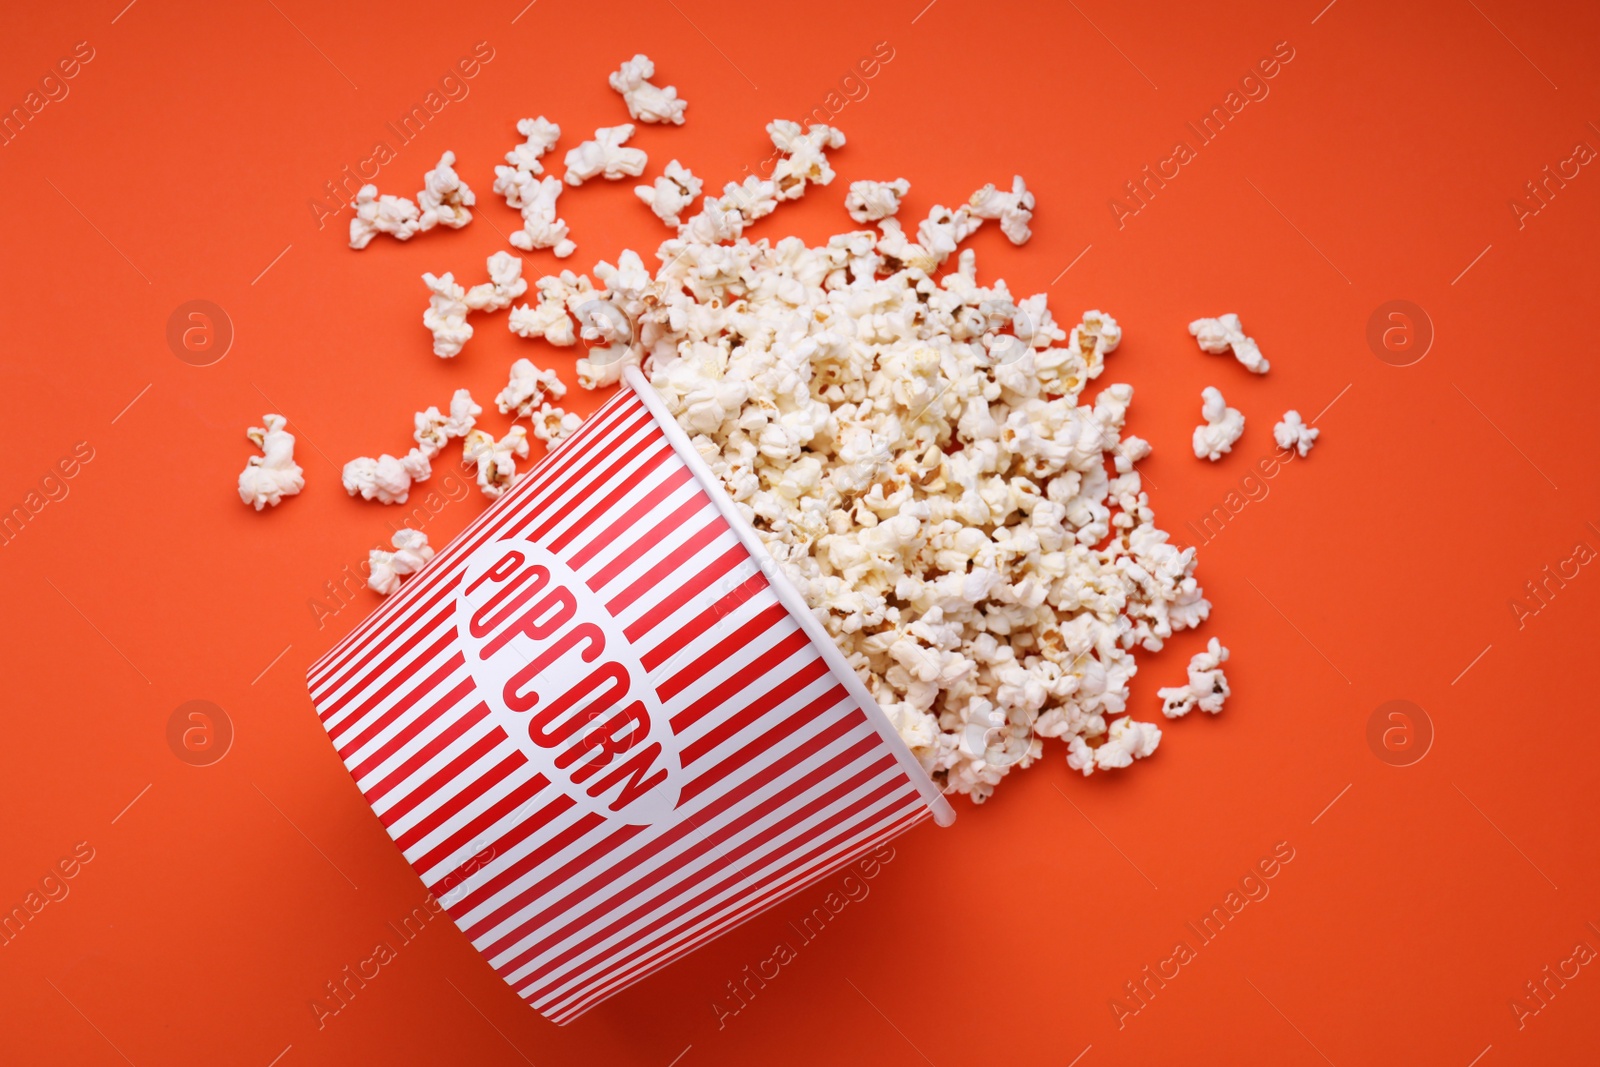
(917, 456)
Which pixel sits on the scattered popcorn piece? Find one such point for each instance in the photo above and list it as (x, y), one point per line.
(869, 201)
(385, 569)
(646, 102)
(496, 460)
(540, 136)
(386, 479)
(434, 429)
(1292, 433)
(1013, 209)
(1221, 334)
(805, 158)
(505, 284)
(1223, 426)
(527, 388)
(540, 226)
(273, 475)
(1207, 687)
(605, 156)
(444, 198)
(393, 215)
(671, 193)
(1127, 741)
(552, 425)
(446, 315)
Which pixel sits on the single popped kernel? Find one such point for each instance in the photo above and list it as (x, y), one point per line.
(444, 198)
(385, 569)
(606, 157)
(1227, 333)
(393, 215)
(1223, 427)
(273, 475)
(1206, 689)
(1292, 433)
(646, 102)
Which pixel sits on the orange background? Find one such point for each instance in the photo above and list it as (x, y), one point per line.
(1382, 163)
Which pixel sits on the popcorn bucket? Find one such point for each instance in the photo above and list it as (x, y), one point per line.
(604, 728)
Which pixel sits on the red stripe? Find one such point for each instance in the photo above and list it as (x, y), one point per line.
(672, 523)
(458, 694)
(614, 876)
(479, 825)
(693, 585)
(748, 716)
(444, 779)
(469, 718)
(361, 673)
(767, 622)
(456, 803)
(674, 559)
(556, 970)
(597, 513)
(608, 983)
(625, 524)
(745, 677)
(702, 624)
(652, 447)
(766, 839)
(780, 730)
(536, 859)
(444, 634)
(374, 724)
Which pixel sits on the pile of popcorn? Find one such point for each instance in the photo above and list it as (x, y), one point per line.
(913, 446)
(914, 454)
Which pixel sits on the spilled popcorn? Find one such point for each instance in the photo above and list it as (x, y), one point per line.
(273, 475)
(1227, 334)
(916, 455)
(1223, 426)
(411, 551)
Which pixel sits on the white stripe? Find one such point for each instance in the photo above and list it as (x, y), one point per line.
(493, 834)
(773, 852)
(642, 875)
(603, 978)
(645, 530)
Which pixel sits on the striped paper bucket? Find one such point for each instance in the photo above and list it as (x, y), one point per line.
(602, 726)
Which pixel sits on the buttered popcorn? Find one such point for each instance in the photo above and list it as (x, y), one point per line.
(916, 456)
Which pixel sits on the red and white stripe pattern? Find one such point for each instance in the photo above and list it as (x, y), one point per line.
(785, 776)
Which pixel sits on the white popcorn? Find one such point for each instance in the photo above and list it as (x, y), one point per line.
(1013, 209)
(433, 429)
(505, 284)
(527, 388)
(805, 160)
(540, 226)
(1221, 334)
(496, 460)
(444, 198)
(446, 315)
(552, 425)
(1223, 427)
(1127, 741)
(671, 193)
(273, 475)
(393, 215)
(1206, 689)
(385, 569)
(869, 201)
(540, 136)
(386, 479)
(1292, 433)
(606, 157)
(646, 102)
